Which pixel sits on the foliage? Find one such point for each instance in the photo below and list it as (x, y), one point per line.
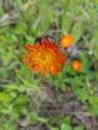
(21, 22)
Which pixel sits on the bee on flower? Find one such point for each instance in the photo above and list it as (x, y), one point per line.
(44, 56)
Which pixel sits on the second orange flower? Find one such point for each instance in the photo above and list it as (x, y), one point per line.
(66, 41)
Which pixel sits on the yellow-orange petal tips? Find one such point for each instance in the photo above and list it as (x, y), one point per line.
(66, 41)
(76, 65)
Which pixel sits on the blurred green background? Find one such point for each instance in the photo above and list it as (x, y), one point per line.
(21, 22)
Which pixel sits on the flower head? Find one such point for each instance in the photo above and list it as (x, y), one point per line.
(45, 57)
(66, 41)
(76, 65)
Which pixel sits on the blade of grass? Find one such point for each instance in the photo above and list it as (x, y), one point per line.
(65, 6)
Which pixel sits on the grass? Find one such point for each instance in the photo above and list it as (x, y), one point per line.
(20, 23)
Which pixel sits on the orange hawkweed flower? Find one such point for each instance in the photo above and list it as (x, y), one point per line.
(66, 41)
(45, 57)
(76, 65)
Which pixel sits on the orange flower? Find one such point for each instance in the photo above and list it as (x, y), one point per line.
(76, 65)
(66, 41)
(45, 57)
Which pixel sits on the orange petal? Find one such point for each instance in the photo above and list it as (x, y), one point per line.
(37, 44)
(57, 50)
(26, 54)
(61, 54)
(60, 61)
(54, 69)
(34, 68)
(44, 42)
(25, 60)
(45, 72)
(30, 47)
(52, 45)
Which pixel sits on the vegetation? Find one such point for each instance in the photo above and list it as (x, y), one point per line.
(21, 91)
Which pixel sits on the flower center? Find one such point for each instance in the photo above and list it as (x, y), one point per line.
(45, 58)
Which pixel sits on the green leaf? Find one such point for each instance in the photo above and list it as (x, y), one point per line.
(63, 17)
(77, 31)
(8, 126)
(43, 120)
(65, 127)
(4, 97)
(78, 128)
(52, 128)
(32, 117)
(20, 28)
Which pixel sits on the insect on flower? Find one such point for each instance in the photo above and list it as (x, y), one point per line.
(44, 56)
(47, 37)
